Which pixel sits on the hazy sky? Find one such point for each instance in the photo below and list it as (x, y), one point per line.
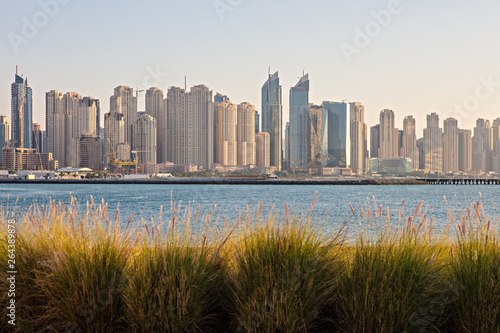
(414, 56)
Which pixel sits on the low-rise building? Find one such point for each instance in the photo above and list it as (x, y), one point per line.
(389, 166)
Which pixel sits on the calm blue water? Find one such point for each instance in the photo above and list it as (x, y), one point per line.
(332, 204)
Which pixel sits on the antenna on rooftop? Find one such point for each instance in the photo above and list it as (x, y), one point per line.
(185, 83)
(16, 69)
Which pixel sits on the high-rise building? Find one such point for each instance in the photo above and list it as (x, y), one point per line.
(272, 110)
(55, 124)
(124, 102)
(90, 152)
(317, 136)
(263, 149)
(409, 147)
(38, 142)
(450, 146)
(219, 98)
(482, 146)
(21, 113)
(4, 134)
(245, 134)
(389, 135)
(68, 117)
(358, 137)
(299, 105)
(17, 159)
(421, 153)
(144, 143)
(225, 134)
(339, 137)
(257, 122)
(155, 107)
(115, 147)
(464, 150)
(374, 141)
(433, 144)
(495, 158)
(190, 126)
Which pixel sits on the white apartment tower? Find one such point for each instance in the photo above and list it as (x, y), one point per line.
(245, 134)
(190, 126)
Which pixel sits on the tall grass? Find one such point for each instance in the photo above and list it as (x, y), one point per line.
(284, 277)
(80, 270)
(474, 274)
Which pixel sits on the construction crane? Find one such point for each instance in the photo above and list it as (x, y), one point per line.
(137, 91)
(38, 151)
(136, 158)
(293, 168)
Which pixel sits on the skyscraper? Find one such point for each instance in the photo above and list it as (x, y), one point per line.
(155, 107)
(374, 140)
(409, 148)
(272, 110)
(482, 146)
(299, 105)
(317, 136)
(115, 146)
(388, 135)
(225, 134)
(451, 146)
(245, 134)
(339, 137)
(190, 126)
(144, 142)
(257, 122)
(90, 152)
(464, 150)
(495, 158)
(37, 139)
(4, 134)
(55, 124)
(358, 137)
(21, 113)
(433, 144)
(124, 102)
(263, 149)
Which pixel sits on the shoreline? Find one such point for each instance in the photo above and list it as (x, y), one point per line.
(219, 181)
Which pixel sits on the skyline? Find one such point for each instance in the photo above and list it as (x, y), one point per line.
(427, 59)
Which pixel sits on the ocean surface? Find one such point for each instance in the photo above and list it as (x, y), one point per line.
(332, 207)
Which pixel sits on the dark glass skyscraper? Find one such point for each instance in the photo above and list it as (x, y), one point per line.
(272, 110)
(339, 138)
(299, 104)
(21, 113)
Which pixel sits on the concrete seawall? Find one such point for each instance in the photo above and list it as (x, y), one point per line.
(221, 181)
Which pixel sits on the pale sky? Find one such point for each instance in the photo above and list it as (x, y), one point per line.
(414, 56)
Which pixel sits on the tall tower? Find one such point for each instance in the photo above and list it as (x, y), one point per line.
(482, 146)
(464, 150)
(433, 144)
(272, 113)
(263, 148)
(358, 137)
(299, 105)
(339, 137)
(409, 148)
(388, 135)
(245, 134)
(124, 102)
(55, 125)
(115, 146)
(144, 132)
(4, 134)
(225, 134)
(374, 140)
(190, 126)
(450, 146)
(155, 107)
(21, 113)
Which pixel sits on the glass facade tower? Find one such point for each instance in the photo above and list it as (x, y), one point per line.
(299, 105)
(272, 110)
